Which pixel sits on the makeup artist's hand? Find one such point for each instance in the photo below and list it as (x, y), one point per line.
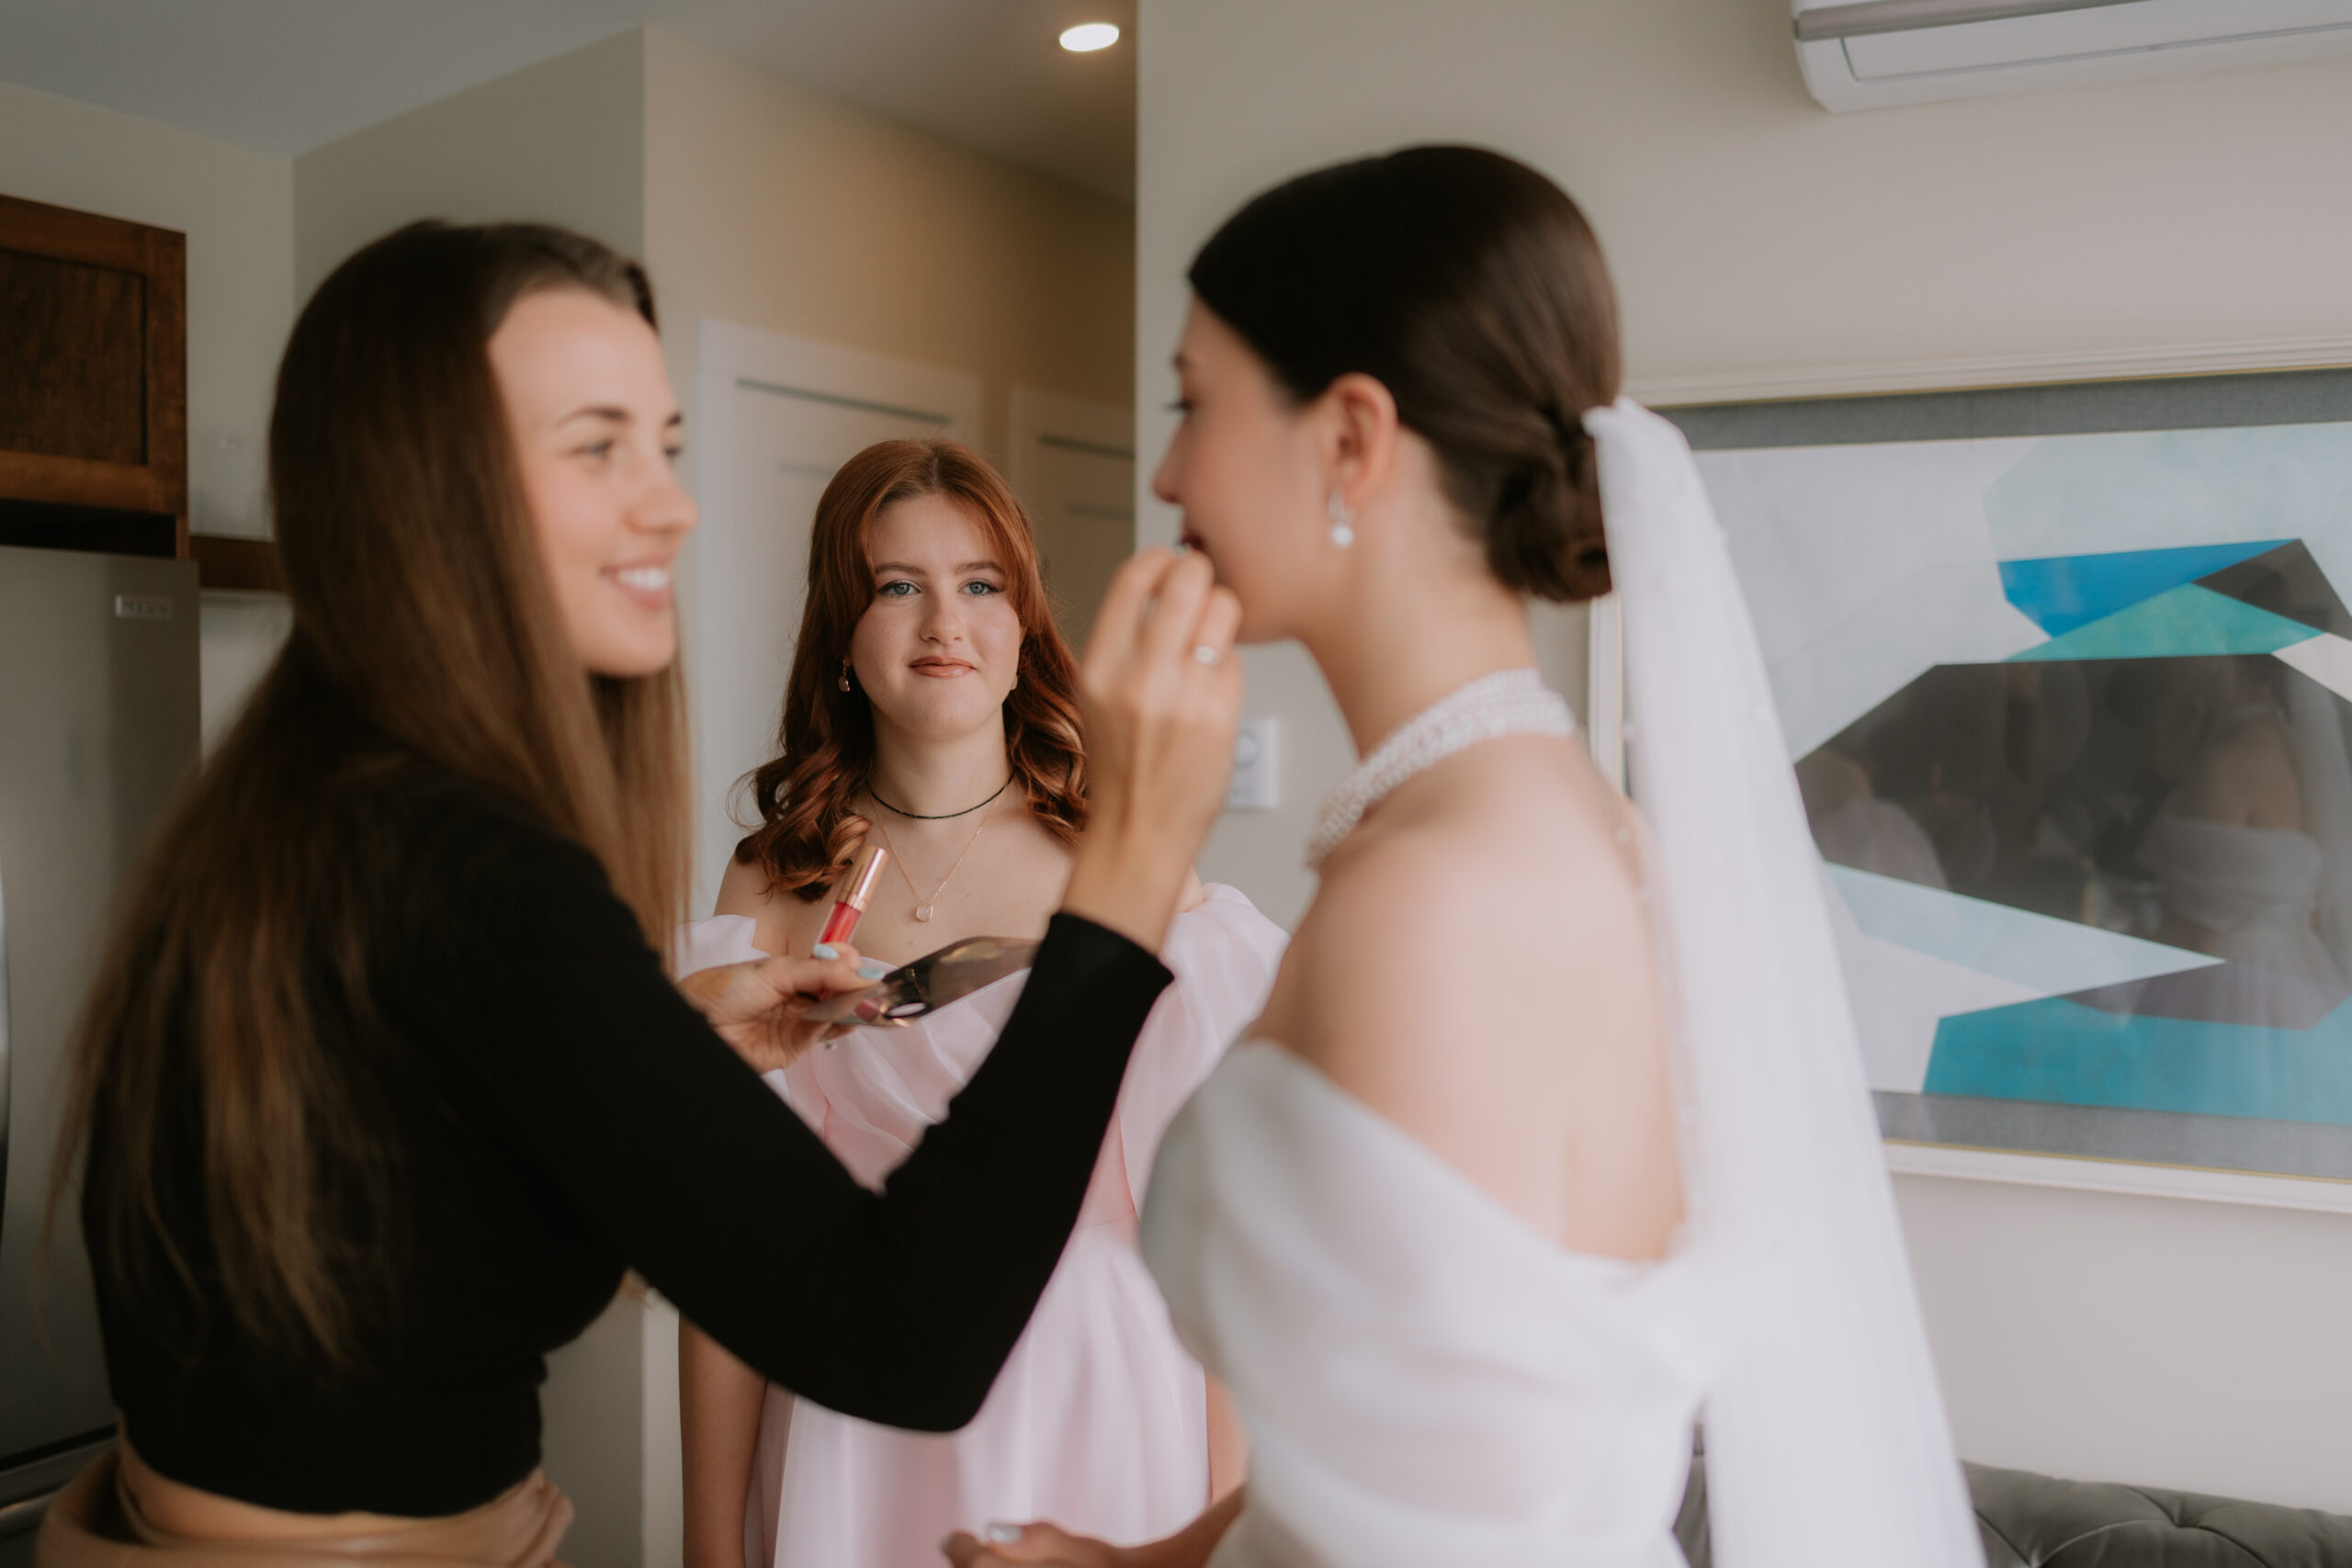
(1161, 691)
(756, 1008)
(1047, 1545)
(1050, 1546)
(1044, 1546)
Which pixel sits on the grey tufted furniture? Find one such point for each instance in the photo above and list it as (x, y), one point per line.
(2034, 1521)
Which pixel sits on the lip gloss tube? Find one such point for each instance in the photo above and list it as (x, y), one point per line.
(851, 904)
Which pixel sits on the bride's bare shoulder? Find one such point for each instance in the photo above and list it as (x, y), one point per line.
(1475, 898)
(1478, 968)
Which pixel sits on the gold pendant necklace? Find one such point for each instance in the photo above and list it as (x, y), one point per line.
(926, 907)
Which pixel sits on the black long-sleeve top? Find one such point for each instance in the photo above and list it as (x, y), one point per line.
(559, 1114)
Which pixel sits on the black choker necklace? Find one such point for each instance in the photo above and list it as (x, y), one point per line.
(943, 817)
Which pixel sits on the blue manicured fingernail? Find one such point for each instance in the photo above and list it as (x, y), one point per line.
(1004, 1532)
(873, 969)
(824, 950)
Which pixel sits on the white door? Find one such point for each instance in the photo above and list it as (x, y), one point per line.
(1074, 467)
(776, 416)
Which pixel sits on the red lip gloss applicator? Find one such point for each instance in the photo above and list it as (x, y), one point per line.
(851, 904)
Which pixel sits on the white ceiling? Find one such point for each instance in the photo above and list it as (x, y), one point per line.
(289, 75)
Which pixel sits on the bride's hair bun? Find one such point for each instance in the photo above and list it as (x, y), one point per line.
(1544, 535)
(1469, 286)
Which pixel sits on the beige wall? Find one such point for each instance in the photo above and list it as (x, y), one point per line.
(1755, 236)
(236, 206)
(559, 142)
(1750, 231)
(776, 206)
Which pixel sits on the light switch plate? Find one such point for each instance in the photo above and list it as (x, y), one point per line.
(1257, 767)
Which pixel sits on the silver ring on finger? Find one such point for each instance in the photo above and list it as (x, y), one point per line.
(1203, 654)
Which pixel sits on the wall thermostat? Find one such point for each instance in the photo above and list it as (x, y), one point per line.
(1256, 767)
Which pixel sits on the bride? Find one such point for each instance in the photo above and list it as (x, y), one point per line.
(1552, 1132)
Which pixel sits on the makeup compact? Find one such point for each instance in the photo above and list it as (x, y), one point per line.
(927, 984)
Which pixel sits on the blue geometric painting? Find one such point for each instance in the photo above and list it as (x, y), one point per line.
(2148, 747)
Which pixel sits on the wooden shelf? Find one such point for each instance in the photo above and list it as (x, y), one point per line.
(226, 564)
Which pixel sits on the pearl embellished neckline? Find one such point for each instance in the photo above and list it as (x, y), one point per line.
(1510, 702)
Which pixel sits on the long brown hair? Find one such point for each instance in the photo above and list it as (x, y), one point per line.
(232, 1009)
(807, 833)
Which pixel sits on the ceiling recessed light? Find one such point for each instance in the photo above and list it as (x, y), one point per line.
(1088, 37)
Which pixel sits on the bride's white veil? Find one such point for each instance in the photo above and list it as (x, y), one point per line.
(1826, 1441)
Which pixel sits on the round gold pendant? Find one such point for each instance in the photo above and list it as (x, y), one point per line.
(923, 911)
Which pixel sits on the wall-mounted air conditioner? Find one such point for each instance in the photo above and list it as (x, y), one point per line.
(1864, 54)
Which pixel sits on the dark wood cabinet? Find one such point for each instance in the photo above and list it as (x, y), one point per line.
(93, 377)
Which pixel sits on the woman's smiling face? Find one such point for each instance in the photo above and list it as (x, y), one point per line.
(595, 432)
(938, 649)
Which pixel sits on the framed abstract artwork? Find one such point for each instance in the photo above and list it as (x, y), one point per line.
(2065, 675)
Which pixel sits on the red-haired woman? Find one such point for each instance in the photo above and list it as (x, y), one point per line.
(933, 706)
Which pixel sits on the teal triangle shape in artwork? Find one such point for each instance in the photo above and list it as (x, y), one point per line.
(2060, 1052)
(2060, 592)
(2187, 621)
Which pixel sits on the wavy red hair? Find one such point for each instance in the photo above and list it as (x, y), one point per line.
(807, 833)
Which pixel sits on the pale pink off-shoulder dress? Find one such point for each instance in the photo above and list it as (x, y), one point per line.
(1099, 1420)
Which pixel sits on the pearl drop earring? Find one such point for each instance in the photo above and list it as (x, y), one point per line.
(845, 687)
(1343, 520)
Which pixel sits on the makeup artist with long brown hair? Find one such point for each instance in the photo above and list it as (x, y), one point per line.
(383, 1084)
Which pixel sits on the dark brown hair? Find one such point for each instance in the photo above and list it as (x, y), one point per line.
(233, 1004)
(807, 833)
(1470, 287)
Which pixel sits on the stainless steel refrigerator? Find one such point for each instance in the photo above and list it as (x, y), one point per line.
(98, 725)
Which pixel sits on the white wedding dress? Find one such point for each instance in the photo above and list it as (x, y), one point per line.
(1426, 1381)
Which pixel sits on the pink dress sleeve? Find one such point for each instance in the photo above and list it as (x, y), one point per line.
(707, 944)
(1224, 955)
